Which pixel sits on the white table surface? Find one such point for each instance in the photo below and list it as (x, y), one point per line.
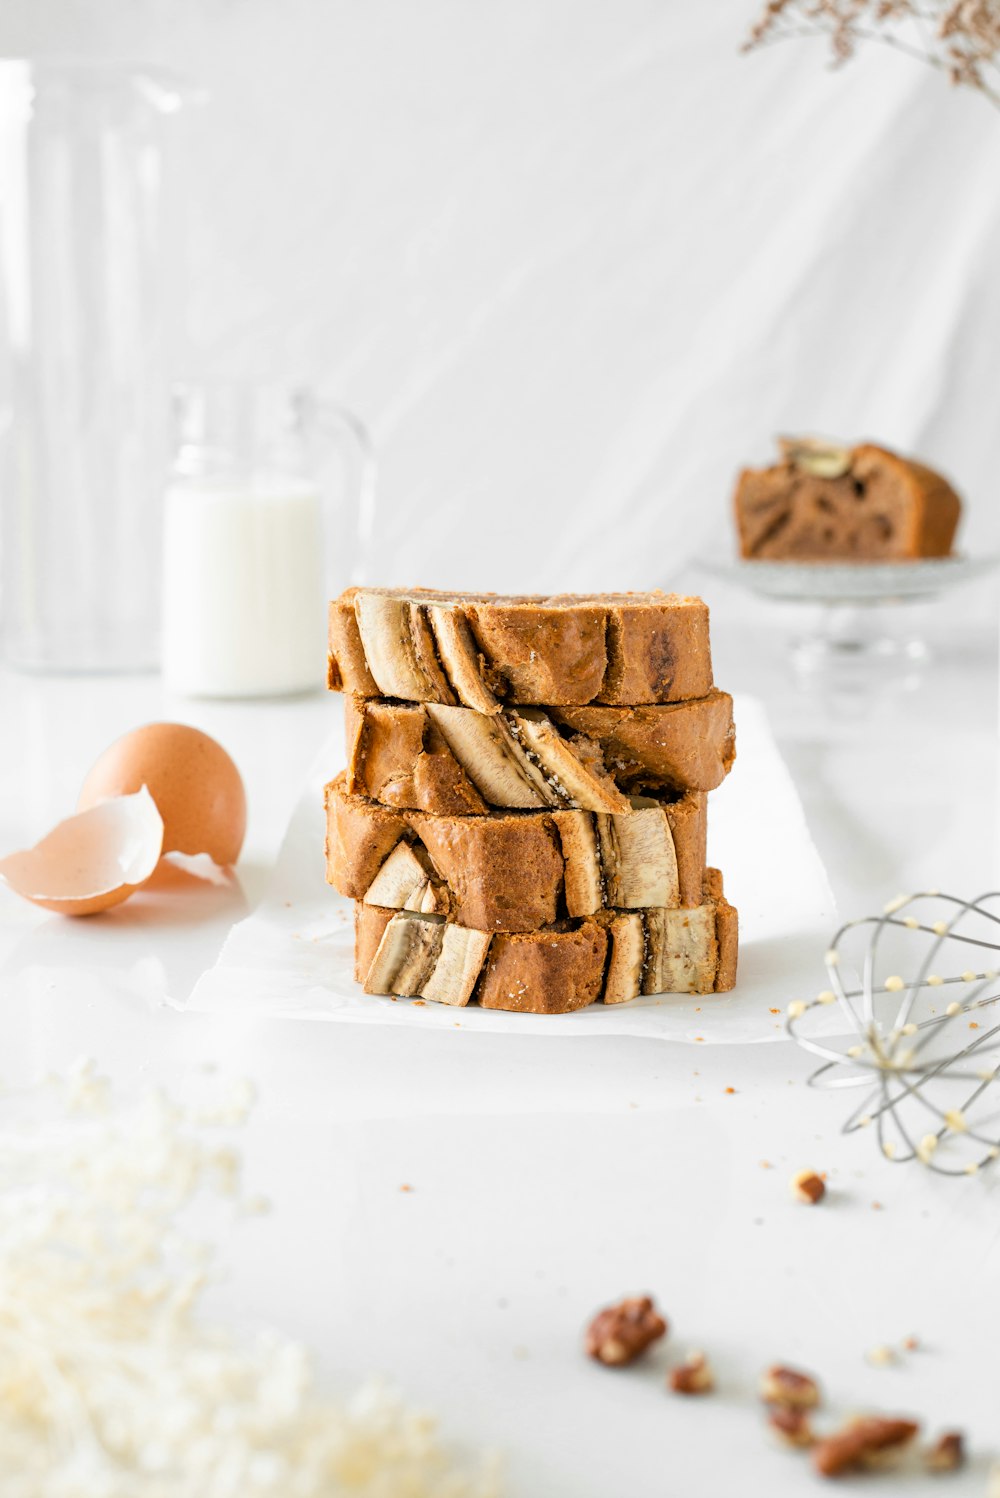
(550, 1176)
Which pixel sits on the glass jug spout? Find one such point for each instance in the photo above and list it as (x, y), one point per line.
(352, 439)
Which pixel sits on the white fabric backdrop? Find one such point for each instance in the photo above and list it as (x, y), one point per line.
(575, 261)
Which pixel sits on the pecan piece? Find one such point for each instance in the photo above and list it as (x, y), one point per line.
(947, 1454)
(693, 1376)
(619, 1334)
(808, 1187)
(791, 1424)
(789, 1387)
(868, 1442)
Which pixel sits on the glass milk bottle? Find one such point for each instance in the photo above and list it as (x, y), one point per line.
(253, 536)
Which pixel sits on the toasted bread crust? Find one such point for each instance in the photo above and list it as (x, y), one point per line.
(530, 974)
(481, 649)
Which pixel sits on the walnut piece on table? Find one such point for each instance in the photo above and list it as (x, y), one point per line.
(947, 1454)
(789, 1387)
(791, 1424)
(619, 1334)
(808, 1188)
(693, 1376)
(871, 1441)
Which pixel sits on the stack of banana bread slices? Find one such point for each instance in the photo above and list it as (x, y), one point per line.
(522, 818)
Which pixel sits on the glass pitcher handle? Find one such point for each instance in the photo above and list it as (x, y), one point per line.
(352, 438)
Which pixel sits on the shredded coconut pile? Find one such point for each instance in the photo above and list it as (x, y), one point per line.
(112, 1384)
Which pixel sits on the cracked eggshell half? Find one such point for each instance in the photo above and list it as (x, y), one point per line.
(91, 861)
(194, 782)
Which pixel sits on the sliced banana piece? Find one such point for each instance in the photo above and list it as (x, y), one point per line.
(459, 964)
(683, 951)
(583, 879)
(461, 658)
(565, 772)
(431, 900)
(400, 649)
(421, 956)
(403, 882)
(407, 955)
(519, 759)
(492, 758)
(816, 456)
(623, 980)
(638, 856)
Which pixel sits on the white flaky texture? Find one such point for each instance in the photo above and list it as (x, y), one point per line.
(112, 1385)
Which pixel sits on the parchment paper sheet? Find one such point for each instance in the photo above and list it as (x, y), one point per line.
(293, 955)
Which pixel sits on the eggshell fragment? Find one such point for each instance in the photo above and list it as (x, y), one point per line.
(91, 861)
(194, 782)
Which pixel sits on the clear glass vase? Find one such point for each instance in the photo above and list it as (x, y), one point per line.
(82, 388)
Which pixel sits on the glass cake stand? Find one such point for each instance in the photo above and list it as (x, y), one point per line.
(858, 635)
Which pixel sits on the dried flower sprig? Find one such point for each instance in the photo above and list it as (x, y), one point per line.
(113, 1381)
(961, 37)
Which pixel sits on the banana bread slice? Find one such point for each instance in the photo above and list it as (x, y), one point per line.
(614, 955)
(516, 870)
(478, 649)
(455, 761)
(827, 503)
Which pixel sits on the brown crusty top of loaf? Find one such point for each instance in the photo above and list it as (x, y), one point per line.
(479, 649)
(863, 504)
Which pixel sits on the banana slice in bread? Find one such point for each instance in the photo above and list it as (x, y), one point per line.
(516, 870)
(454, 761)
(479, 650)
(612, 956)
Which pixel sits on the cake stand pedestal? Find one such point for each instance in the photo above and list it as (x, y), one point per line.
(859, 638)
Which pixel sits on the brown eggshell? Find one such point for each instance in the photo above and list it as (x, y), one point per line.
(92, 860)
(196, 786)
